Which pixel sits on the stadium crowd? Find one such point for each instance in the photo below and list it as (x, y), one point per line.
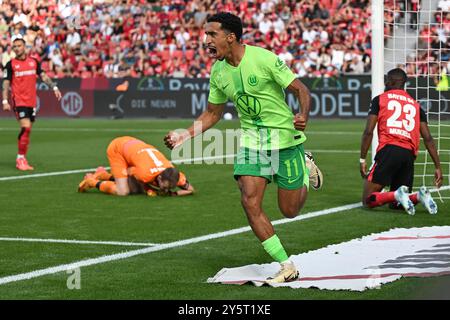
(134, 38)
(432, 54)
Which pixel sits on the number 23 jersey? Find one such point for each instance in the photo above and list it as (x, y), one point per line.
(399, 117)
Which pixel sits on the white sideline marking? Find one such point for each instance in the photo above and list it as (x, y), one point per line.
(48, 174)
(60, 173)
(175, 244)
(90, 130)
(114, 243)
(160, 130)
(345, 133)
(332, 151)
(160, 247)
(443, 188)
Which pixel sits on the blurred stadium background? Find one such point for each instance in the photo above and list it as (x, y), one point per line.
(138, 68)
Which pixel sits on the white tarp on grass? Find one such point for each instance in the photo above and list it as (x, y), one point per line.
(359, 264)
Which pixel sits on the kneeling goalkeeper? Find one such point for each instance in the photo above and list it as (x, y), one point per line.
(136, 167)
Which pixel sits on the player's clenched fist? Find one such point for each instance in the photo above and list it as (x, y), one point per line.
(6, 107)
(173, 139)
(363, 169)
(300, 121)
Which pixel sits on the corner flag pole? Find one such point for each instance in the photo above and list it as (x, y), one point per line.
(377, 23)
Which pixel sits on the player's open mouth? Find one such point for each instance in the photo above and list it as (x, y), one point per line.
(212, 52)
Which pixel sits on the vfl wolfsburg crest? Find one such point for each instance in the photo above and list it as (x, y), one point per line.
(248, 105)
(252, 80)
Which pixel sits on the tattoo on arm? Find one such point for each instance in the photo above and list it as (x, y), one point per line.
(47, 80)
(5, 89)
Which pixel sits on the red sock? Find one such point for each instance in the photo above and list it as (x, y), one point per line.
(24, 140)
(377, 199)
(413, 198)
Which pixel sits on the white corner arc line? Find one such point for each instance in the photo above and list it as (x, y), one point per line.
(113, 243)
(160, 247)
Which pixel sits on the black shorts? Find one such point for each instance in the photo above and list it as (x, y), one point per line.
(25, 113)
(394, 167)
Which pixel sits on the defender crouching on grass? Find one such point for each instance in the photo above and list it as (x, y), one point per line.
(401, 122)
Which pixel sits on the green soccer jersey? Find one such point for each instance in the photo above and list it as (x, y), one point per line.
(256, 86)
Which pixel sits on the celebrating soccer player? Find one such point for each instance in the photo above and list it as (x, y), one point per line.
(400, 121)
(20, 74)
(255, 79)
(136, 167)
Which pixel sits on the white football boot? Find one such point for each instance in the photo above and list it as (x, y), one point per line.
(402, 196)
(424, 196)
(287, 273)
(315, 175)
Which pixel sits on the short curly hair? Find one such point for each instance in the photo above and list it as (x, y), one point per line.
(396, 78)
(229, 22)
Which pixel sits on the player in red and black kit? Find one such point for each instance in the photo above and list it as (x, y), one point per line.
(20, 74)
(401, 122)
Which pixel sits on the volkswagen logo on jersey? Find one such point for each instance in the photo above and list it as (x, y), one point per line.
(249, 105)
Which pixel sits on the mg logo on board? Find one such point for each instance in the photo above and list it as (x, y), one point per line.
(72, 103)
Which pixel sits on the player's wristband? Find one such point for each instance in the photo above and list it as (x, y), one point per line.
(5, 101)
(55, 88)
(361, 160)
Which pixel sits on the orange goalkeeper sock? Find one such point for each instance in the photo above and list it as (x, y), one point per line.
(107, 187)
(103, 175)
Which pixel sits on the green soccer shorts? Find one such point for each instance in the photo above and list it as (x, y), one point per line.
(287, 167)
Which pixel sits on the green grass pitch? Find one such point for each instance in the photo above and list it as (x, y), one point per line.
(49, 207)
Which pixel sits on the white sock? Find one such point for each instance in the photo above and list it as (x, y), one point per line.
(20, 156)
